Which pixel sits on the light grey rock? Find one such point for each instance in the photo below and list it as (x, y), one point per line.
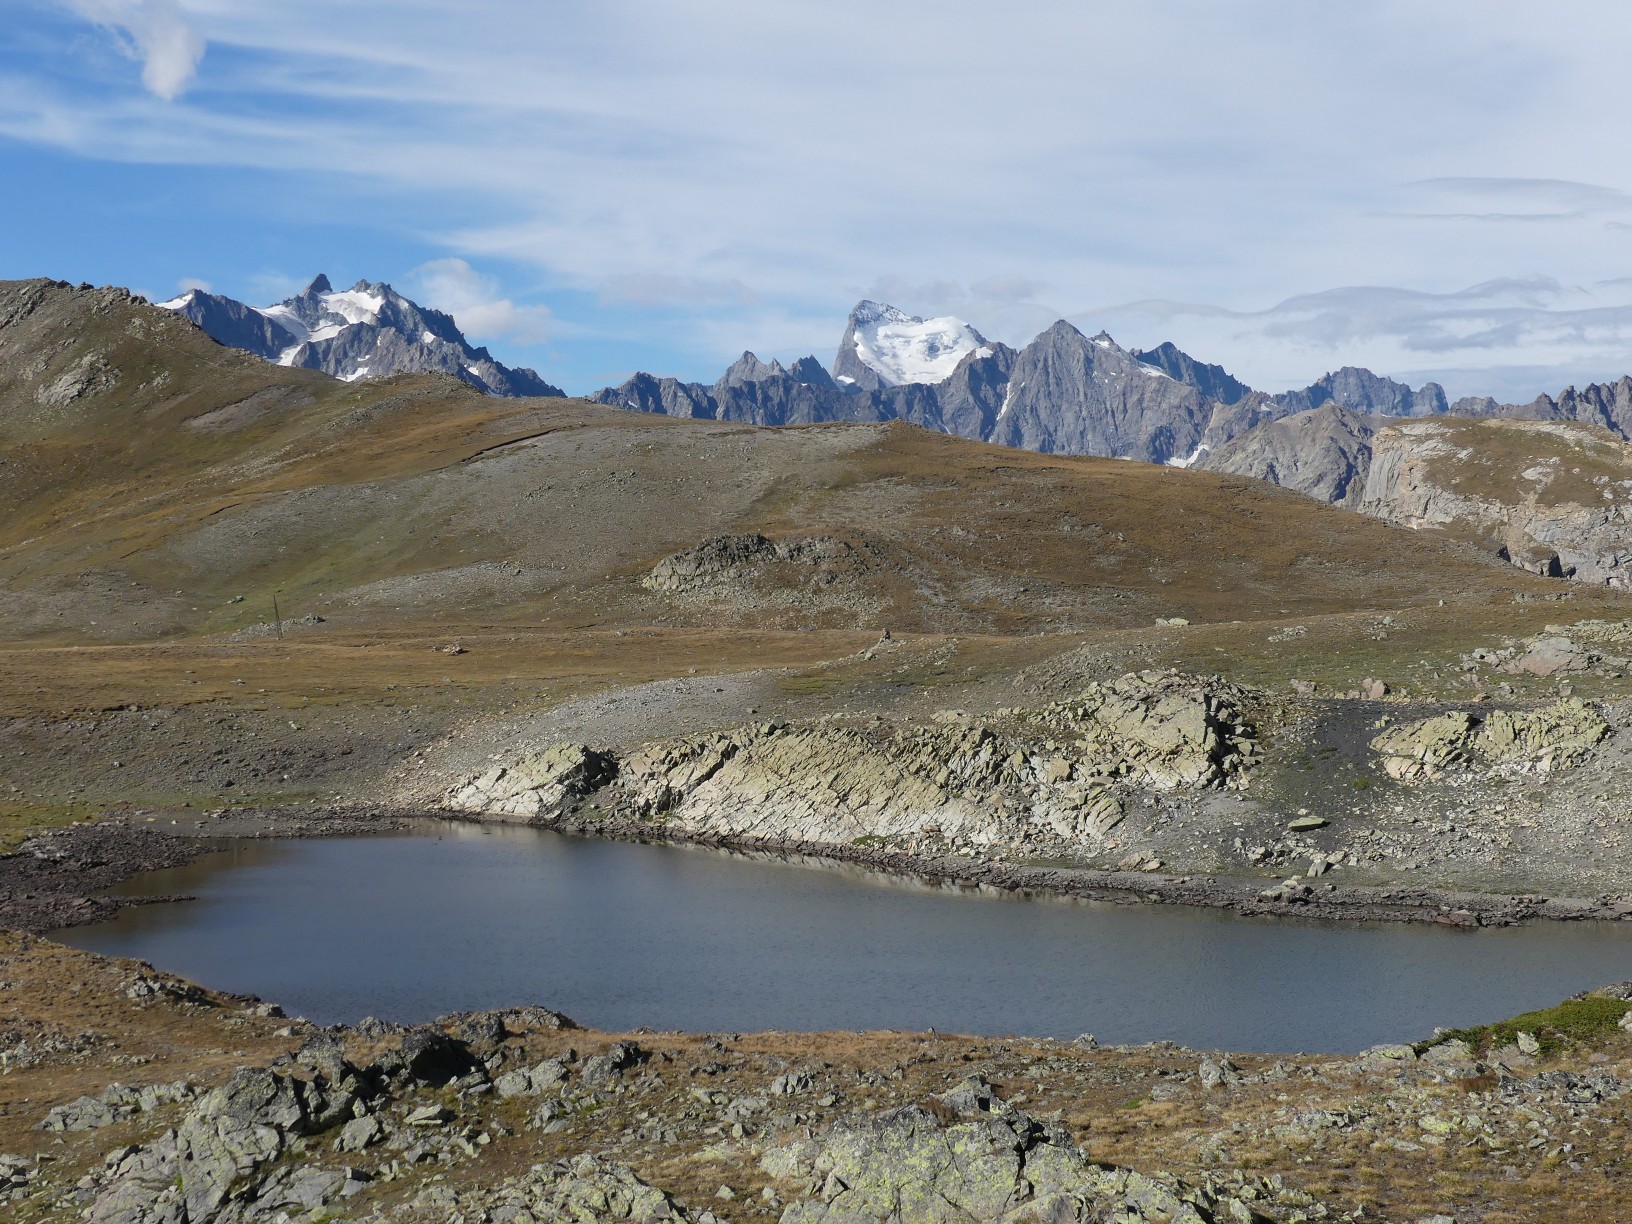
(909, 1165)
(1215, 1073)
(608, 1067)
(359, 1133)
(533, 1080)
(538, 788)
(583, 1189)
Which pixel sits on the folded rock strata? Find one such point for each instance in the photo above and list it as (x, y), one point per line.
(1047, 777)
(1553, 737)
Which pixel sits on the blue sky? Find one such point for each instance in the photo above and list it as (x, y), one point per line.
(1434, 190)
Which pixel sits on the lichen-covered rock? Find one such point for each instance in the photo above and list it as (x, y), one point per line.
(1552, 737)
(536, 789)
(1426, 747)
(192, 1173)
(1158, 729)
(914, 1166)
(115, 1103)
(584, 1188)
(723, 561)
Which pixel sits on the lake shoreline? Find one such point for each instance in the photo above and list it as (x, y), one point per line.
(61, 879)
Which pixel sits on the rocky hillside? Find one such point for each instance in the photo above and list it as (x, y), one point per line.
(367, 331)
(154, 477)
(1548, 495)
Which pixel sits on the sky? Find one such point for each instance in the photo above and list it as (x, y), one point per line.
(1434, 189)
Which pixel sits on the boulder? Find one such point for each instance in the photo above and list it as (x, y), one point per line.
(1550, 656)
(583, 1188)
(1424, 748)
(604, 1068)
(432, 1057)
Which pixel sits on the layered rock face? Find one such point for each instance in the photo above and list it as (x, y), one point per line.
(1052, 778)
(1555, 497)
(537, 788)
(1324, 453)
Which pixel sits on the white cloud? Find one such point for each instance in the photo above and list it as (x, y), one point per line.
(1512, 337)
(154, 31)
(454, 287)
(188, 283)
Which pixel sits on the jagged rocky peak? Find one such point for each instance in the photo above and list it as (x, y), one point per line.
(232, 323)
(1362, 391)
(809, 372)
(367, 331)
(750, 369)
(887, 347)
(1213, 381)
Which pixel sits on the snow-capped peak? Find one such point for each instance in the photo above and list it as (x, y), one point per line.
(902, 348)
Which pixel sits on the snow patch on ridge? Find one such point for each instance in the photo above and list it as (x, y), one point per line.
(1201, 448)
(902, 348)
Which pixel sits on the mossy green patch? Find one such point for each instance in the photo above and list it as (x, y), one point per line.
(21, 821)
(1573, 1022)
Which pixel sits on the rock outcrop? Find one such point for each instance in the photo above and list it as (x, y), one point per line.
(1552, 496)
(986, 1162)
(1549, 496)
(1051, 778)
(1028, 779)
(1324, 453)
(1525, 741)
(537, 788)
(723, 560)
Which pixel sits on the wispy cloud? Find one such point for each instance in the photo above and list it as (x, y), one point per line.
(1499, 335)
(475, 302)
(156, 32)
(1513, 199)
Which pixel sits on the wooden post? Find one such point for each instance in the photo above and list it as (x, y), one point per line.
(277, 618)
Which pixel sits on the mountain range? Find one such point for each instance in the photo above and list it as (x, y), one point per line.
(369, 330)
(1065, 392)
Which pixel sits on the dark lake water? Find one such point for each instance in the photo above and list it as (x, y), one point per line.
(617, 936)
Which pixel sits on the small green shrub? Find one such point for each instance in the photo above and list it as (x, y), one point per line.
(1573, 1022)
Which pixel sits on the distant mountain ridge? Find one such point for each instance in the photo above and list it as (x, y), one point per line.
(1068, 393)
(1064, 392)
(367, 331)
